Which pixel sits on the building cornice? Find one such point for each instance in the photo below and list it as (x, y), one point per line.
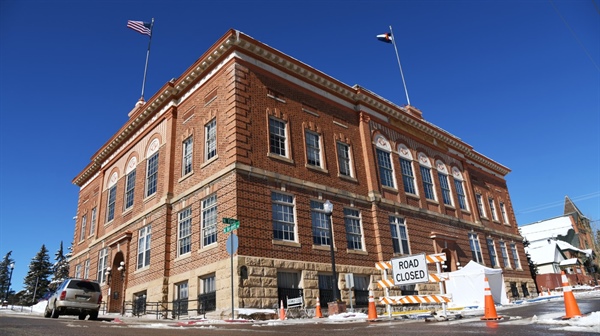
(174, 92)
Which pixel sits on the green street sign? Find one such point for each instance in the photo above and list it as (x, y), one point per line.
(231, 221)
(232, 227)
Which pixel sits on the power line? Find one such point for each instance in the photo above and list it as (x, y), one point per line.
(557, 203)
(575, 35)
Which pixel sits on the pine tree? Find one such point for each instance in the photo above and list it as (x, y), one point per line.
(36, 281)
(60, 268)
(4, 274)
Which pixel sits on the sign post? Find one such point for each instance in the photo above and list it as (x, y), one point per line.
(232, 245)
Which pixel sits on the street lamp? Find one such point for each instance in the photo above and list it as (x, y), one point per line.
(328, 207)
(108, 275)
(121, 269)
(12, 267)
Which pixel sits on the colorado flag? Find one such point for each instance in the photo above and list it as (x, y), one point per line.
(387, 37)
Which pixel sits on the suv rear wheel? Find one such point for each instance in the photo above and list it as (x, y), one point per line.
(47, 312)
(94, 315)
(54, 313)
(82, 316)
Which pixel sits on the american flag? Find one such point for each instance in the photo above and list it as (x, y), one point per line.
(140, 27)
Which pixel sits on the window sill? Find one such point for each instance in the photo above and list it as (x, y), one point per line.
(211, 160)
(414, 196)
(448, 206)
(184, 177)
(316, 168)
(127, 211)
(285, 243)
(149, 198)
(465, 211)
(361, 252)
(183, 257)
(141, 270)
(279, 157)
(323, 247)
(390, 189)
(347, 178)
(209, 247)
(432, 201)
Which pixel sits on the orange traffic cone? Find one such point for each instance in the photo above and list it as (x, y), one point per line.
(490, 307)
(549, 292)
(318, 313)
(372, 314)
(281, 312)
(571, 307)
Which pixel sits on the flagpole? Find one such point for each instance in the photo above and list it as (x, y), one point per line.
(399, 65)
(147, 56)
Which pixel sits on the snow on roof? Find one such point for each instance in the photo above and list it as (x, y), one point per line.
(554, 227)
(545, 254)
(566, 246)
(572, 261)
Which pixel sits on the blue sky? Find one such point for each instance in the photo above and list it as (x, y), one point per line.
(517, 80)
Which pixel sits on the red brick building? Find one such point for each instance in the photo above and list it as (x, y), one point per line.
(250, 133)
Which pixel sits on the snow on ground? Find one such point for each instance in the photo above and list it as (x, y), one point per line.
(589, 323)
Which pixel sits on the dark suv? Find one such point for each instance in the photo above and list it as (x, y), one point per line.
(75, 297)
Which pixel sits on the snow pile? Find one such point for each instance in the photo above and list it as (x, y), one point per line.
(589, 323)
(348, 316)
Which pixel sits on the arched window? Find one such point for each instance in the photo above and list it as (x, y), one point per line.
(384, 161)
(406, 165)
(112, 197)
(425, 168)
(152, 167)
(444, 182)
(460, 188)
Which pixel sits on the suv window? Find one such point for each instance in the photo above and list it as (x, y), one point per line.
(84, 285)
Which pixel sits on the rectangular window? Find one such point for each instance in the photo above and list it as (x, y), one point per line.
(188, 151)
(277, 137)
(445, 186)
(78, 271)
(427, 183)
(493, 209)
(408, 177)
(83, 228)
(353, 229)
(210, 129)
(344, 159)
(399, 235)
(182, 291)
(283, 216)
(320, 225)
(184, 233)
(504, 252)
(143, 255)
(480, 205)
(129, 189)
(86, 269)
(503, 212)
(475, 248)
(209, 285)
(492, 251)
(515, 255)
(209, 220)
(385, 168)
(152, 175)
(460, 192)
(110, 205)
(313, 148)
(93, 222)
(102, 264)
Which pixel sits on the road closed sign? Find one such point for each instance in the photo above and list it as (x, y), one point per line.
(410, 270)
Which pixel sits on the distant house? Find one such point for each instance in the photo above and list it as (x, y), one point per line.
(563, 243)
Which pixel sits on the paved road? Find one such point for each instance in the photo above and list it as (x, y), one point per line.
(519, 323)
